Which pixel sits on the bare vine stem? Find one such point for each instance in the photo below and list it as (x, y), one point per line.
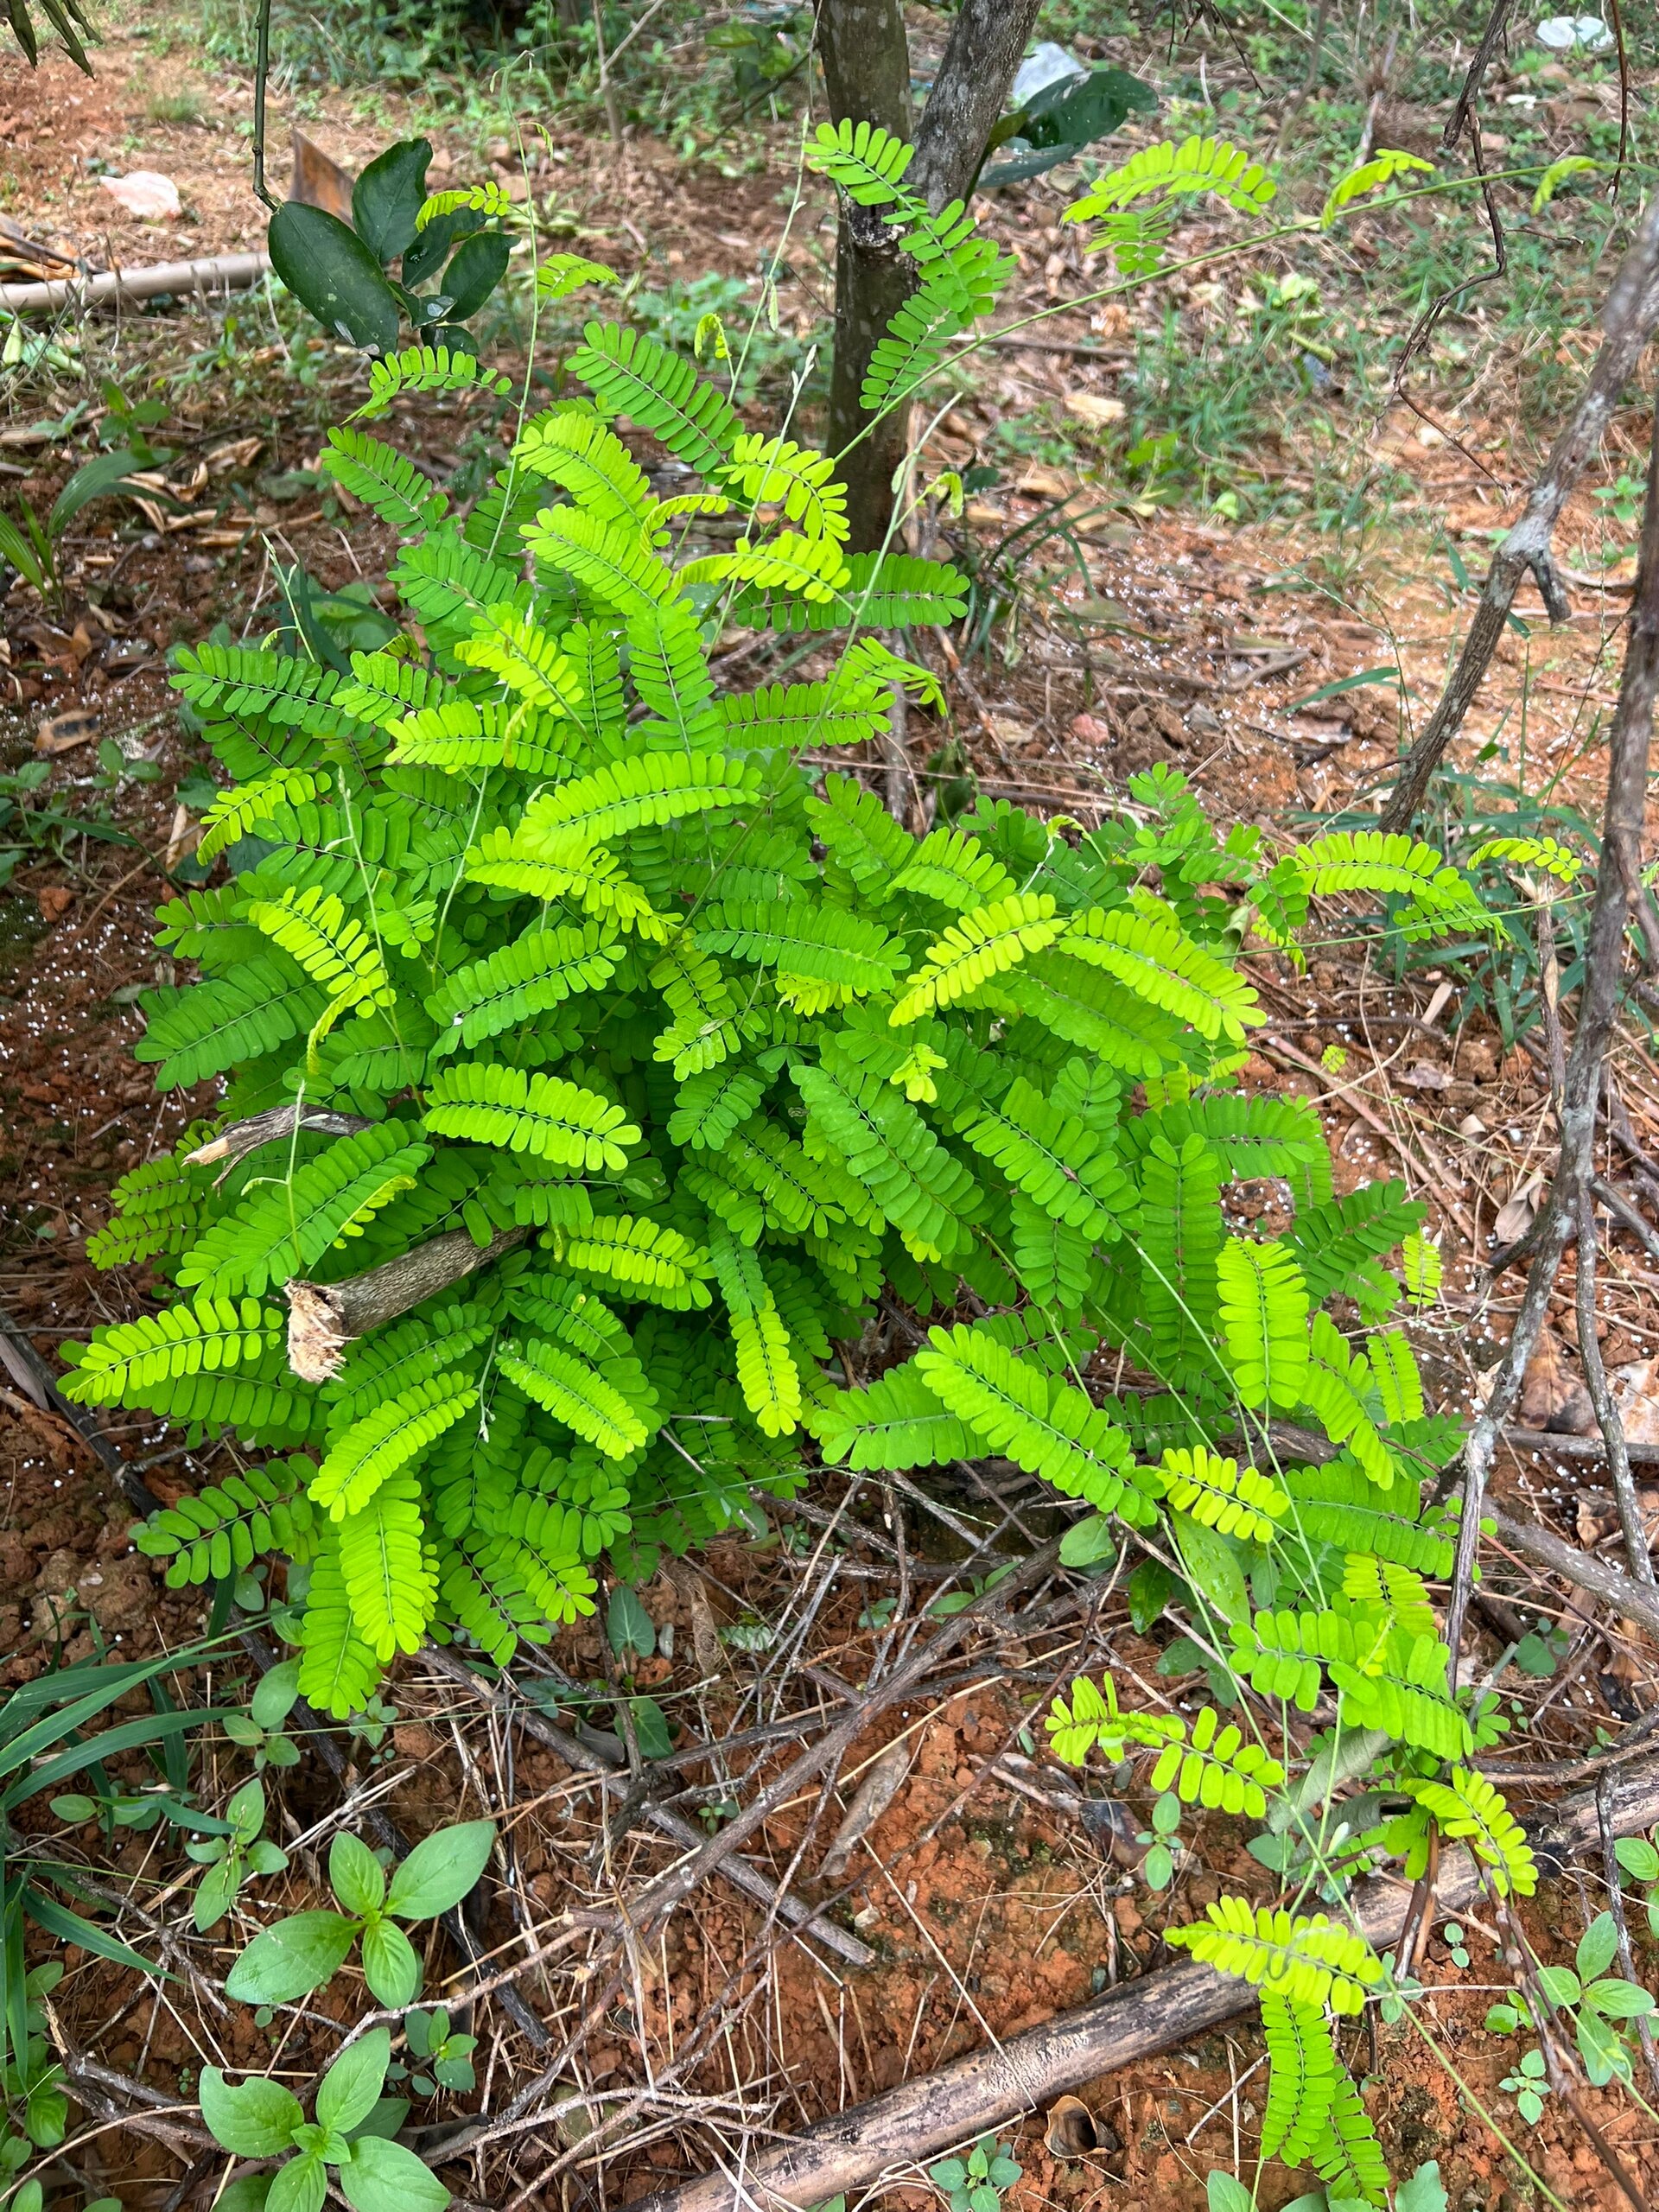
(1617, 887)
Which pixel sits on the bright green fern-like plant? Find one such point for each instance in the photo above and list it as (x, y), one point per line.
(591, 1060)
(539, 954)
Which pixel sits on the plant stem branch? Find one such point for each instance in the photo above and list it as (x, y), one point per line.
(261, 77)
(1629, 318)
(1618, 886)
(324, 1318)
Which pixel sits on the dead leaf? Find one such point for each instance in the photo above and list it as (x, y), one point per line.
(1472, 1126)
(64, 731)
(1045, 483)
(319, 180)
(1553, 1396)
(237, 454)
(875, 1793)
(145, 192)
(183, 837)
(1635, 1395)
(1515, 1215)
(1071, 2133)
(1109, 1822)
(1090, 408)
(1514, 1220)
(705, 1636)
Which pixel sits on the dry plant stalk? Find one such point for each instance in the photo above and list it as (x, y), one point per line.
(1617, 889)
(1629, 318)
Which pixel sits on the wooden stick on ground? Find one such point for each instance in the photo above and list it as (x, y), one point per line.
(923, 2118)
(217, 272)
(1629, 1599)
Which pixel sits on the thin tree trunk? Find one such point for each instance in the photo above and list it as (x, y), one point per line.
(865, 57)
(986, 40)
(866, 69)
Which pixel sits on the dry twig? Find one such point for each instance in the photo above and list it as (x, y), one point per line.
(1629, 320)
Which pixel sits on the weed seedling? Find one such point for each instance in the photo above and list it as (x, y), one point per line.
(352, 2134)
(227, 1860)
(1528, 2086)
(976, 2183)
(300, 1954)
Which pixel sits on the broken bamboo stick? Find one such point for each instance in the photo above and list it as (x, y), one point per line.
(923, 2118)
(214, 272)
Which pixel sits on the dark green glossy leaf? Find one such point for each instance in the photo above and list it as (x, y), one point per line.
(477, 268)
(331, 272)
(1077, 114)
(1063, 119)
(432, 245)
(387, 197)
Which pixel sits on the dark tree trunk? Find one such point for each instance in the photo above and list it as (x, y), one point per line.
(986, 40)
(866, 59)
(866, 69)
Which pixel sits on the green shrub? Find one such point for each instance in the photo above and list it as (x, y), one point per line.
(673, 1055)
(703, 1052)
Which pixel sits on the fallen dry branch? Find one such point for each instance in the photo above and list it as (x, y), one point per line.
(216, 272)
(923, 2118)
(1620, 1592)
(324, 1318)
(1619, 888)
(1576, 1447)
